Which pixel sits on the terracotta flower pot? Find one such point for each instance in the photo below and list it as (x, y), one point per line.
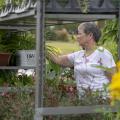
(5, 59)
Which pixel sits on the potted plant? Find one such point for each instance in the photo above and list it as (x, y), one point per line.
(5, 54)
(12, 41)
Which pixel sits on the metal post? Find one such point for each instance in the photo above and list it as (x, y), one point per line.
(40, 56)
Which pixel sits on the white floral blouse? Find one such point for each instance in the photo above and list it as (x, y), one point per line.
(86, 69)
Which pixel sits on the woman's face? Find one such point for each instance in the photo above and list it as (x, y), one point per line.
(82, 38)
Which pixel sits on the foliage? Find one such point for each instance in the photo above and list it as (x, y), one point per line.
(2, 2)
(114, 86)
(16, 106)
(61, 32)
(55, 34)
(51, 67)
(62, 35)
(11, 41)
(70, 27)
(60, 90)
(109, 37)
(83, 4)
(116, 2)
(110, 31)
(10, 78)
(50, 34)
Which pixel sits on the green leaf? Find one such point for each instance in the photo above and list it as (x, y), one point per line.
(101, 67)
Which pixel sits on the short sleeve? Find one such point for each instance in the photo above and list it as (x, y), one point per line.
(71, 57)
(107, 59)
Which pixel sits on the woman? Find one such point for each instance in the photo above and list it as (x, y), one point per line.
(90, 64)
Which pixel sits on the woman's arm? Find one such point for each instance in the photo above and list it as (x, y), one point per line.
(61, 60)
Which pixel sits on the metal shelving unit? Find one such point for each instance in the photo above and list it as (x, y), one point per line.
(50, 12)
(16, 67)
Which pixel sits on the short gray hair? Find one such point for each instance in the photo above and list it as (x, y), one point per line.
(91, 27)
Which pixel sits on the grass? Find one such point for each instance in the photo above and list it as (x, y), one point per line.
(66, 47)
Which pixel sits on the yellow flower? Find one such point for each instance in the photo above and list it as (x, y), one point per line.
(118, 66)
(115, 82)
(116, 94)
(114, 86)
(59, 51)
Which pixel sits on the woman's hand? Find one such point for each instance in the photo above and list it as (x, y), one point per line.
(60, 59)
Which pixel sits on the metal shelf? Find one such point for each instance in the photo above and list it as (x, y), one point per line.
(16, 67)
(79, 17)
(18, 17)
(55, 11)
(75, 110)
(17, 89)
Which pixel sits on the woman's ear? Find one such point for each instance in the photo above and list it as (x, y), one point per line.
(91, 35)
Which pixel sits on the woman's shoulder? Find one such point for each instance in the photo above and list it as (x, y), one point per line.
(103, 50)
(75, 55)
(78, 52)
